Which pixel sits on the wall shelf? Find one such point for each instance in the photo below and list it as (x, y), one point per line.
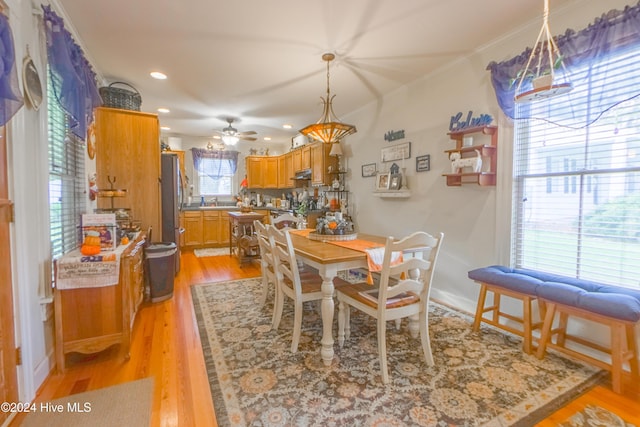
(488, 152)
(393, 194)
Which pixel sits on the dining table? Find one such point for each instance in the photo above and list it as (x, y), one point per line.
(329, 258)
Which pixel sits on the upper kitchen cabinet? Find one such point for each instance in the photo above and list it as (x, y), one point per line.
(262, 171)
(320, 162)
(128, 152)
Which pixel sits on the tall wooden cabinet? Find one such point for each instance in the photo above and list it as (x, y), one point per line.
(128, 151)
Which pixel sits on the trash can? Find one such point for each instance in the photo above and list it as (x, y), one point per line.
(160, 260)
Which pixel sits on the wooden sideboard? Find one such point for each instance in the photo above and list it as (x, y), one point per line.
(89, 320)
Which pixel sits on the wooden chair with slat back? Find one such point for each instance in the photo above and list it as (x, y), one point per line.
(300, 286)
(403, 291)
(267, 264)
(286, 220)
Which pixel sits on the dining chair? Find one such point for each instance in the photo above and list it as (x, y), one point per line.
(286, 220)
(267, 264)
(299, 286)
(403, 291)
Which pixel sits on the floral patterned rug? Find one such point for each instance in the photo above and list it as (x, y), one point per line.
(595, 416)
(479, 379)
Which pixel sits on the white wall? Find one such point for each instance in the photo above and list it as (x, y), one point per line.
(474, 219)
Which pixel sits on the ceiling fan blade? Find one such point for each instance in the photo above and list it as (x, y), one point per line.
(246, 138)
(250, 132)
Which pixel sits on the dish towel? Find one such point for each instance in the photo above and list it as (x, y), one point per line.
(375, 254)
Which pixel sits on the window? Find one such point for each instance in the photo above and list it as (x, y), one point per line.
(577, 191)
(66, 180)
(215, 177)
(215, 170)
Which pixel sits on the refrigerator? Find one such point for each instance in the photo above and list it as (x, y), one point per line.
(171, 193)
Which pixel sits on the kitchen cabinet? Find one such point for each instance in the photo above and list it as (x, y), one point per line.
(262, 171)
(91, 319)
(254, 171)
(192, 228)
(297, 159)
(305, 160)
(204, 228)
(321, 161)
(270, 172)
(483, 141)
(210, 227)
(285, 171)
(128, 152)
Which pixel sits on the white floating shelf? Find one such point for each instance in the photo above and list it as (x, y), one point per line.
(393, 194)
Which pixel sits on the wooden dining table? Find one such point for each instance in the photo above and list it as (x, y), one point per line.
(329, 259)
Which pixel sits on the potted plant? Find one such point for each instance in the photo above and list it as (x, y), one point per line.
(540, 78)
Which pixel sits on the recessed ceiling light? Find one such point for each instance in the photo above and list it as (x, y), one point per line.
(165, 128)
(163, 110)
(158, 75)
(216, 137)
(267, 138)
(287, 126)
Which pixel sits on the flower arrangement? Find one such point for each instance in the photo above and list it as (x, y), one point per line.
(333, 225)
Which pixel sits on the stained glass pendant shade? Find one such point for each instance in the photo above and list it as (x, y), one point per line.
(328, 129)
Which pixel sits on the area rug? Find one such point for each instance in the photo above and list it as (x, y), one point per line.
(210, 252)
(595, 416)
(479, 379)
(127, 404)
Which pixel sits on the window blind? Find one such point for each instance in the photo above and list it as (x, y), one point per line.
(576, 190)
(66, 180)
(215, 177)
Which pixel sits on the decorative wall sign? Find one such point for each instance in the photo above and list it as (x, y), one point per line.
(393, 135)
(457, 124)
(369, 170)
(423, 163)
(396, 152)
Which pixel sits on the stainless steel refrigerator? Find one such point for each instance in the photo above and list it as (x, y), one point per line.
(172, 193)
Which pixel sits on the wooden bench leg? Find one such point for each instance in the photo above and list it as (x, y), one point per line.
(545, 335)
(633, 349)
(526, 315)
(617, 352)
(480, 307)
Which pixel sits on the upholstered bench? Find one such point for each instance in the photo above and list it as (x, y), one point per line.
(612, 306)
(520, 284)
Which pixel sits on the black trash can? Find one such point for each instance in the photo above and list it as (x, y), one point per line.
(160, 260)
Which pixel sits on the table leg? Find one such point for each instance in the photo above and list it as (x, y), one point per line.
(326, 352)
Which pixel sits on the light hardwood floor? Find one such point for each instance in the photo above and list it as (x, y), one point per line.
(166, 345)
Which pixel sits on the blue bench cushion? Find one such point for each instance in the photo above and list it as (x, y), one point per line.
(612, 301)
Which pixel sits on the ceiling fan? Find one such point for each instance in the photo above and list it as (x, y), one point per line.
(231, 136)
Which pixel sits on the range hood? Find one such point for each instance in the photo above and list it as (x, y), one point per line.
(303, 174)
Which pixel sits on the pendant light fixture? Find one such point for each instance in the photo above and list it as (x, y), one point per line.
(328, 129)
(543, 74)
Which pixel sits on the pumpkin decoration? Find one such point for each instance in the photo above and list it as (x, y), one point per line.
(91, 244)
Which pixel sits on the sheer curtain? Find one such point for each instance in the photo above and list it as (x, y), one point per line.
(610, 34)
(10, 97)
(215, 170)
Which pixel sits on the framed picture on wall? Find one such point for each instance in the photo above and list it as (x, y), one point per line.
(396, 152)
(382, 181)
(369, 170)
(423, 163)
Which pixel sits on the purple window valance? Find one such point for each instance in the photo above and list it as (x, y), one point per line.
(611, 34)
(228, 161)
(10, 97)
(73, 80)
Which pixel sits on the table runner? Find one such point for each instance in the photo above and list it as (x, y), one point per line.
(374, 251)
